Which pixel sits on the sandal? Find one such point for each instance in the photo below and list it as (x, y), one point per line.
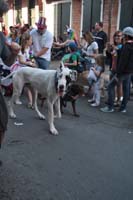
(30, 105)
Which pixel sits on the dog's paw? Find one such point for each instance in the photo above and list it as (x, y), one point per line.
(57, 116)
(53, 131)
(42, 117)
(13, 116)
(18, 102)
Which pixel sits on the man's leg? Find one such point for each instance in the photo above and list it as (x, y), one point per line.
(125, 85)
(111, 94)
(111, 97)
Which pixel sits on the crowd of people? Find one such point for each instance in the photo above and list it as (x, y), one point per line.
(26, 46)
(93, 51)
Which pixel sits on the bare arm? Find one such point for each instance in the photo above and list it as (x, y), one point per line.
(91, 55)
(42, 52)
(22, 61)
(63, 44)
(75, 63)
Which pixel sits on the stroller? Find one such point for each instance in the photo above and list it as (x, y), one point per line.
(6, 85)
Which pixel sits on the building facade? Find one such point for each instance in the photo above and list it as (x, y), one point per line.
(81, 15)
(115, 14)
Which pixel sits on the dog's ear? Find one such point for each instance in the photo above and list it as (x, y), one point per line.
(62, 65)
(58, 70)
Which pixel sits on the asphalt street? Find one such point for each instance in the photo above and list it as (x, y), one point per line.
(90, 159)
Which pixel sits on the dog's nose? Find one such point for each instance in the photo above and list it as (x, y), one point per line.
(61, 87)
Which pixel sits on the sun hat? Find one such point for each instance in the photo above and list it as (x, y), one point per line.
(41, 24)
(128, 31)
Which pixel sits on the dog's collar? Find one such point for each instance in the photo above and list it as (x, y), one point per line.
(56, 81)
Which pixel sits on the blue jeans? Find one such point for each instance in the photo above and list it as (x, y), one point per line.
(111, 91)
(42, 63)
(126, 90)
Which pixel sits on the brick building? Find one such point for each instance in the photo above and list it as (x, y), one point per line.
(115, 14)
(79, 14)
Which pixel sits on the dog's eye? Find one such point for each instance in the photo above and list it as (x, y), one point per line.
(60, 75)
(67, 76)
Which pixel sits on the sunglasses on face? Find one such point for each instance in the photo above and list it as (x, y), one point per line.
(118, 36)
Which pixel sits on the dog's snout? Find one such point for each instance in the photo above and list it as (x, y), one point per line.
(61, 87)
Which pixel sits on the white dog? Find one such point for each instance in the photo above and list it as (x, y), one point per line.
(49, 83)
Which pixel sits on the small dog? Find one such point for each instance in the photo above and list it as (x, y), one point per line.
(72, 93)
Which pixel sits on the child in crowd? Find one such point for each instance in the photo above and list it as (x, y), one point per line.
(94, 80)
(72, 60)
(24, 60)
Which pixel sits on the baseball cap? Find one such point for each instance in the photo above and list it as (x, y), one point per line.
(128, 31)
(72, 46)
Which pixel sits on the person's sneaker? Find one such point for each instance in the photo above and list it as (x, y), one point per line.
(121, 98)
(91, 101)
(107, 109)
(123, 110)
(94, 104)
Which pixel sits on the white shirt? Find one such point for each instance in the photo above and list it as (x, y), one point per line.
(25, 56)
(41, 41)
(90, 50)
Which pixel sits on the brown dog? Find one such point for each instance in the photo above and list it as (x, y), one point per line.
(73, 92)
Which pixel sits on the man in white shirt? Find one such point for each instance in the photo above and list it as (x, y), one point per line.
(42, 44)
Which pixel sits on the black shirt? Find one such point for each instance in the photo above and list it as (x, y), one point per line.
(101, 38)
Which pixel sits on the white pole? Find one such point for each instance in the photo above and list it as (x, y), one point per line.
(82, 16)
